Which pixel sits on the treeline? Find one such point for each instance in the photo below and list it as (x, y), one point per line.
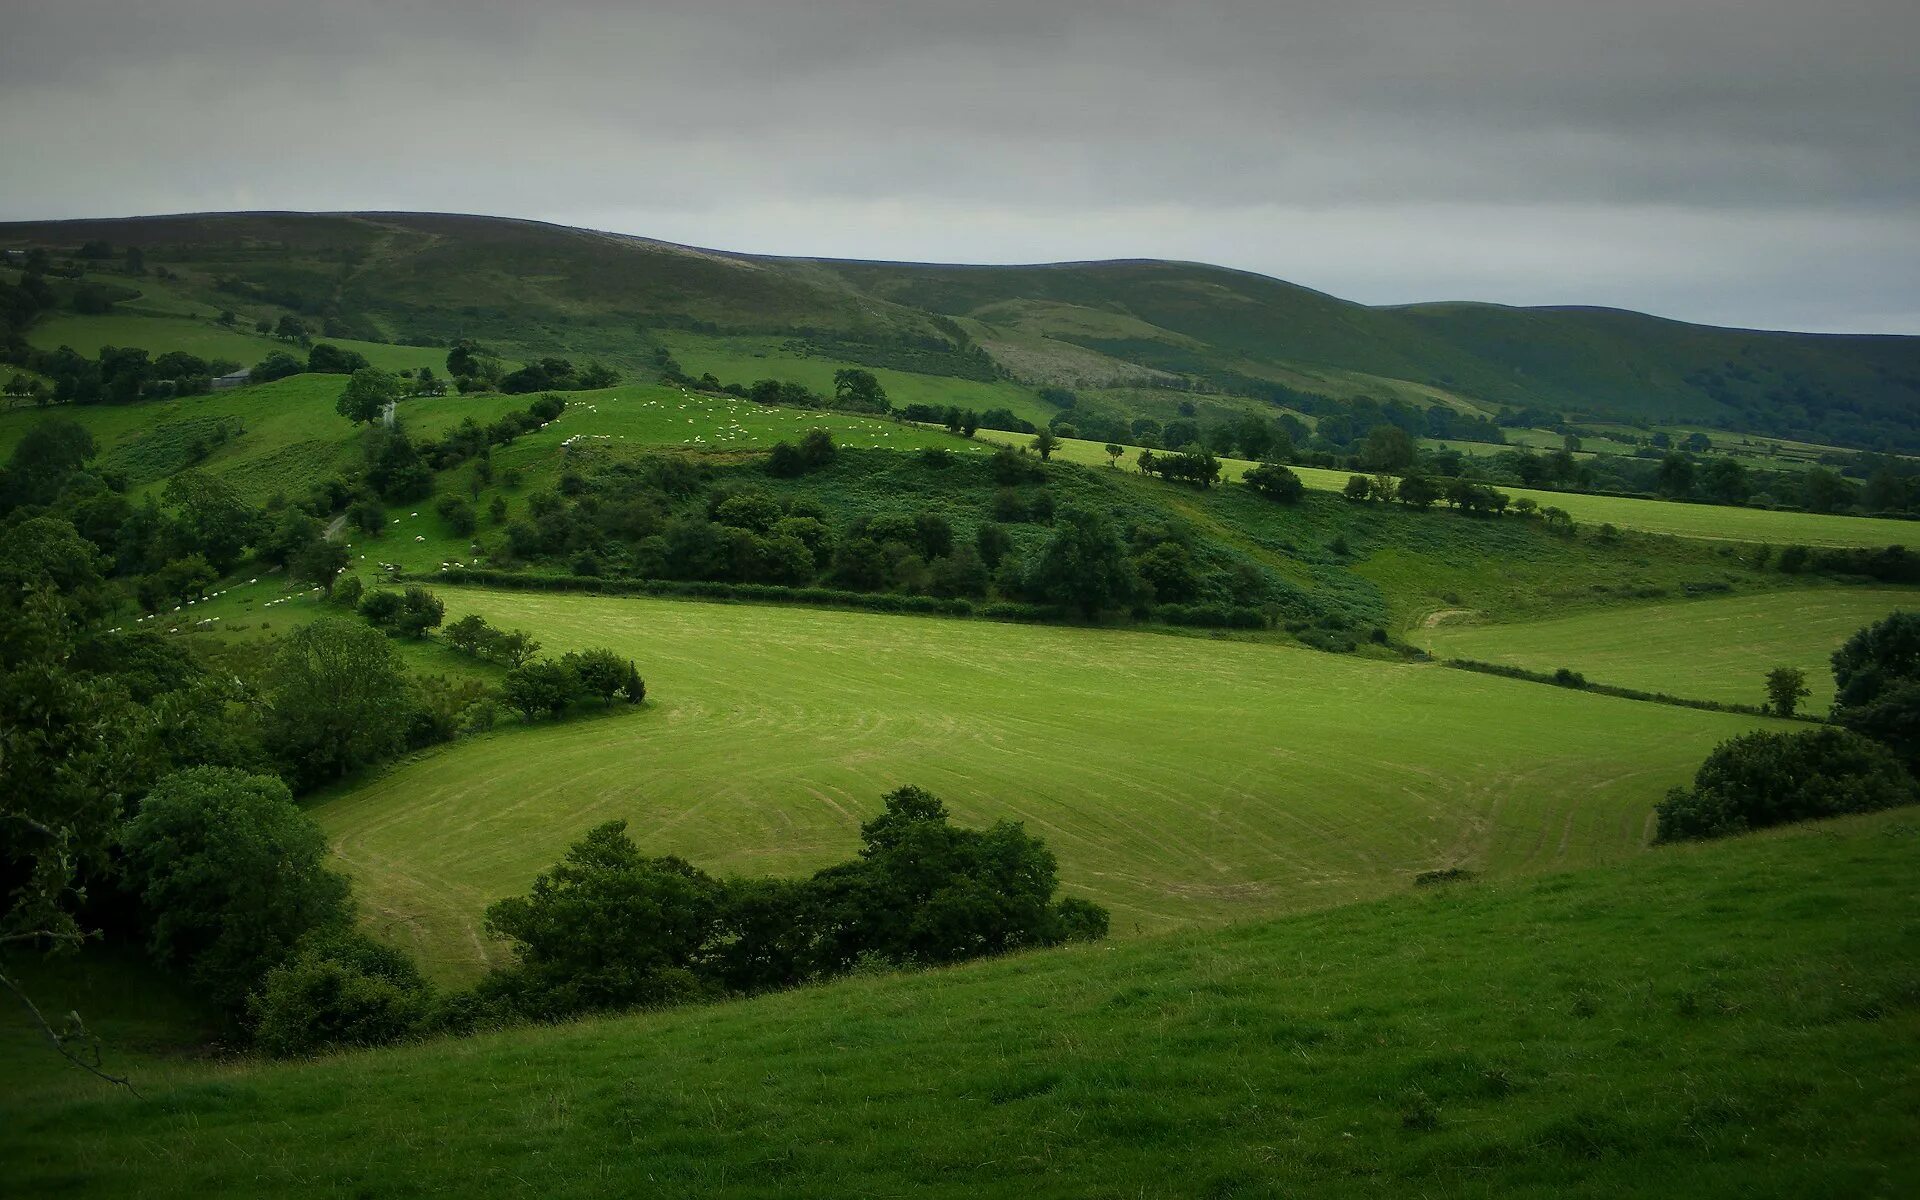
(146, 790)
(118, 376)
(664, 519)
(610, 928)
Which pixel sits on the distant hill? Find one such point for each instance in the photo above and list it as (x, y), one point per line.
(532, 287)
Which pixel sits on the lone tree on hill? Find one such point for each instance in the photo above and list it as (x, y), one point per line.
(367, 394)
(854, 388)
(1045, 443)
(1786, 687)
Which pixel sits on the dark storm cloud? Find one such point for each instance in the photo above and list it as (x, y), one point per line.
(1744, 161)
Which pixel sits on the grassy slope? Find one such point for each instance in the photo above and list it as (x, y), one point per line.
(1179, 779)
(743, 360)
(1739, 1019)
(1711, 649)
(1710, 521)
(1617, 362)
(293, 436)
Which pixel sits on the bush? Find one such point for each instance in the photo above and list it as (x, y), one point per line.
(1275, 482)
(340, 989)
(1764, 778)
(232, 875)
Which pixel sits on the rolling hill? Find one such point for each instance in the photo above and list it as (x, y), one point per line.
(536, 288)
(1736, 1019)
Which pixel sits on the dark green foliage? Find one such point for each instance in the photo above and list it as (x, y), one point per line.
(458, 514)
(1083, 566)
(70, 752)
(231, 874)
(790, 461)
(211, 519)
(1877, 677)
(319, 561)
(540, 687)
(328, 359)
(858, 391)
(1765, 778)
(925, 891)
(610, 928)
(606, 928)
(1417, 491)
(277, 365)
(335, 696)
(41, 463)
(339, 989)
(1274, 482)
(600, 673)
(367, 394)
(1786, 687)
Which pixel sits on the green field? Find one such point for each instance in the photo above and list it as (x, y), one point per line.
(1709, 649)
(290, 435)
(744, 360)
(1709, 521)
(1179, 779)
(1738, 1019)
(160, 334)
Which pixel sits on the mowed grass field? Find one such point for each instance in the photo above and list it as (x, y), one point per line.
(1710, 521)
(1728, 1020)
(1180, 780)
(1718, 648)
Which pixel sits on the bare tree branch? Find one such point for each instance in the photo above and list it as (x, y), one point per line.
(88, 1058)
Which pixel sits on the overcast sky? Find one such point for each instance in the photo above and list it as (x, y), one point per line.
(1748, 162)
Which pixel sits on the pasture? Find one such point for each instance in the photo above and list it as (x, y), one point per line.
(1711, 522)
(744, 360)
(1717, 648)
(1715, 1020)
(1180, 780)
(158, 334)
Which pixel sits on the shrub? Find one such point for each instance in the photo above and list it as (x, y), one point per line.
(232, 875)
(1275, 482)
(458, 514)
(338, 989)
(1765, 778)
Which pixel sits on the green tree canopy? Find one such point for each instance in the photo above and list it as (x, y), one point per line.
(335, 698)
(1084, 566)
(367, 394)
(232, 874)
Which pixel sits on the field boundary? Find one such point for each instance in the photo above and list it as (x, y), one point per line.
(1205, 616)
(1575, 682)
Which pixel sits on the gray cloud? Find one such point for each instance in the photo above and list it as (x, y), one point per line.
(1739, 161)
